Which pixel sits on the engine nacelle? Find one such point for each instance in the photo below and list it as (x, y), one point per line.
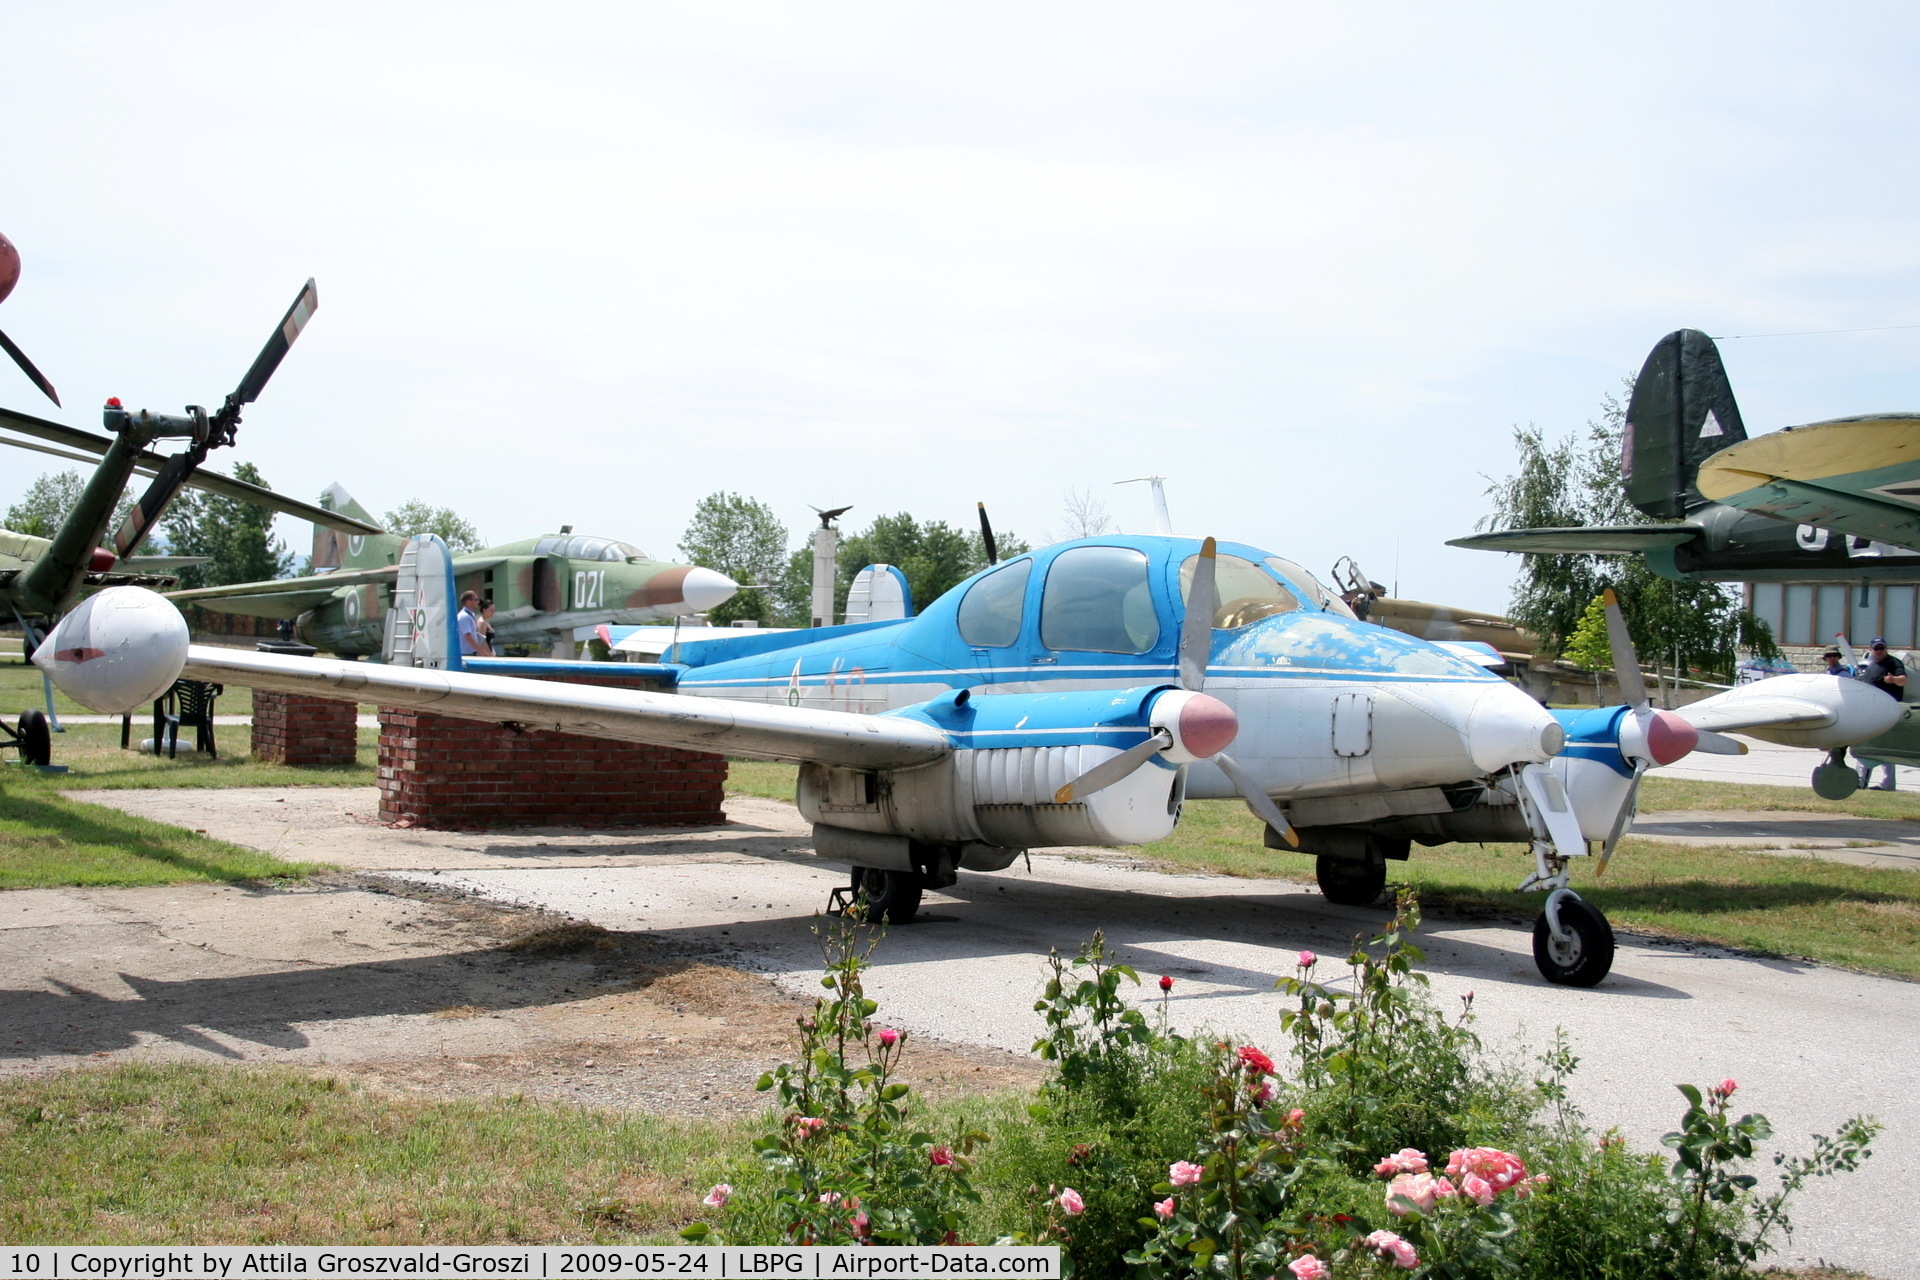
(995, 796)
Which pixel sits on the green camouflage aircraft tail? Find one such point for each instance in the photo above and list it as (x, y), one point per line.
(333, 549)
(1682, 410)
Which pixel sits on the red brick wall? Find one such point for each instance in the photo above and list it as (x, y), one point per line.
(436, 771)
(292, 728)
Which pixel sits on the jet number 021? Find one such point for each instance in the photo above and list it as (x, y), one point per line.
(589, 588)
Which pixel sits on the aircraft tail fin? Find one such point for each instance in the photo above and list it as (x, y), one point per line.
(1682, 410)
(333, 549)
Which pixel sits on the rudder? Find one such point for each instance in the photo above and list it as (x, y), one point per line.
(1682, 410)
(333, 549)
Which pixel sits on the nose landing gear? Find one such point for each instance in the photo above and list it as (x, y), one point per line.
(1572, 941)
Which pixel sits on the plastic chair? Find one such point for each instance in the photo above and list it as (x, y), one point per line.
(187, 703)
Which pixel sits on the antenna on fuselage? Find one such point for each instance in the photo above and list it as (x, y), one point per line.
(826, 552)
(1165, 524)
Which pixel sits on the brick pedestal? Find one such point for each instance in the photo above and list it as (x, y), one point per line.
(436, 771)
(292, 728)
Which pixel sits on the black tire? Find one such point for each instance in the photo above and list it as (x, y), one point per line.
(1350, 882)
(1835, 781)
(36, 740)
(893, 897)
(1590, 956)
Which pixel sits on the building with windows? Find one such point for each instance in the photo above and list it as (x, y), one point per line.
(1805, 616)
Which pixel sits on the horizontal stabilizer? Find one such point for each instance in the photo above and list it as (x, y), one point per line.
(261, 604)
(1601, 540)
(325, 583)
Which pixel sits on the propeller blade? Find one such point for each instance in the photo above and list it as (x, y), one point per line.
(26, 367)
(1257, 800)
(1627, 805)
(1626, 663)
(1196, 631)
(986, 535)
(1847, 654)
(1719, 744)
(276, 349)
(1108, 772)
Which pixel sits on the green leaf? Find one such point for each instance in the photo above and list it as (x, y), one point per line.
(695, 1231)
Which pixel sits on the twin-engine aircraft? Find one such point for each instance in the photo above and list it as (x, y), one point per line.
(544, 589)
(1078, 694)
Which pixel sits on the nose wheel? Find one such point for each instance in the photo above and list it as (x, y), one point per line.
(1351, 882)
(1580, 952)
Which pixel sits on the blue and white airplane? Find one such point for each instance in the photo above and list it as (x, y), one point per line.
(1075, 695)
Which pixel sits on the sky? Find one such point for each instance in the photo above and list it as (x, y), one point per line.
(584, 264)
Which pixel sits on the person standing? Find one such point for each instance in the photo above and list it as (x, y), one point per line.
(473, 641)
(1889, 675)
(1835, 667)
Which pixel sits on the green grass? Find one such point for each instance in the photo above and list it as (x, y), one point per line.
(47, 839)
(764, 778)
(21, 688)
(1679, 793)
(149, 1154)
(93, 758)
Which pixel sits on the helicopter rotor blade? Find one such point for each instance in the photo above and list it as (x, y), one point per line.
(1196, 630)
(276, 349)
(27, 367)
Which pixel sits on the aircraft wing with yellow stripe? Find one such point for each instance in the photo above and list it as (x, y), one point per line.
(1859, 476)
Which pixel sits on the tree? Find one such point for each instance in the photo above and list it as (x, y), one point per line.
(48, 502)
(237, 536)
(742, 538)
(1588, 646)
(414, 517)
(1577, 481)
(1085, 517)
(933, 555)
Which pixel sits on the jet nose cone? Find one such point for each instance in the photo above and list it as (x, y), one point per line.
(704, 589)
(118, 651)
(1507, 727)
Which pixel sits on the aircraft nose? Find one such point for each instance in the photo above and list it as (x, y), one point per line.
(117, 651)
(1507, 727)
(703, 589)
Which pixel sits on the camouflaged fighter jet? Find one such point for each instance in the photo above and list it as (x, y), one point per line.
(543, 589)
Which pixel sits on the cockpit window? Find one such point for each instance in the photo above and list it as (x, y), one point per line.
(1318, 594)
(1247, 593)
(1097, 598)
(583, 548)
(991, 611)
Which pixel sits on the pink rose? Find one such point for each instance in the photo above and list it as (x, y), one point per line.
(1308, 1267)
(720, 1194)
(1182, 1173)
(1389, 1245)
(809, 1125)
(889, 1037)
(1725, 1088)
(1478, 1188)
(1307, 959)
(1405, 1160)
(1256, 1060)
(1422, 1189)
(1264, 1094)
(941, 1155)
(1498, 1168)
(860, 1224)
(1296, 1117)
(1164, 1207)
(1070, 1201)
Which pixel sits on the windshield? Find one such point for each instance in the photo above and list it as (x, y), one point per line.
(1246, 592)
(1309, 584)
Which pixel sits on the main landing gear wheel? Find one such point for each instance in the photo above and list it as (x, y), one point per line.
(893, 897)
(1581, 960)
(1351, 882)
(36, 740)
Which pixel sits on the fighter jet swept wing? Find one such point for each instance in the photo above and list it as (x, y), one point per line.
(149, 463)
(1852, 475)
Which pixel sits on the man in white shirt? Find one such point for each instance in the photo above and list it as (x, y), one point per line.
(473, 641)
